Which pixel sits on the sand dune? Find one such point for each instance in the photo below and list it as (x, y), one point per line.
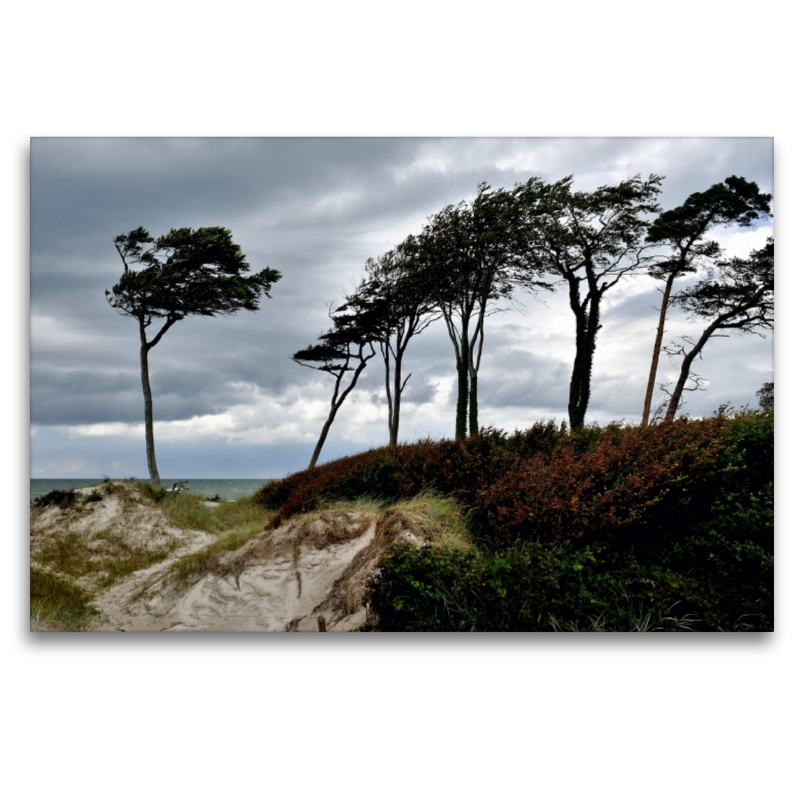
(309, 574)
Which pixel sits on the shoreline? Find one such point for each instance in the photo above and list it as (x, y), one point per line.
(225, 488)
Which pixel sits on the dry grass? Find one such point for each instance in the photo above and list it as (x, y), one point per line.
(99, 559)
(235, 522)
(439, 519)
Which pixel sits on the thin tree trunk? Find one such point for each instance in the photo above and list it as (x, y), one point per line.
(322, 437)
(476, 343)
(473, 402)
(462, 403)
(336, 404)
(719, 322)
(155, 481)
(398, 392)
(651, 382)
(675, 399)
(386, 353)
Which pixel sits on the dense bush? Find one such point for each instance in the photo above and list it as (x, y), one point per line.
(531, 587)
(633, 485)
(617, 528)
(456, 468)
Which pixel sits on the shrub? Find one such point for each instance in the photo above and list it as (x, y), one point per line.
(57, 497)
(638, 487)
(454, 468)
(667, 527)
(531, 587)
(156, 495)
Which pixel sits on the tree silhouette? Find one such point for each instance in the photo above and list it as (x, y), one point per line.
(733, 202)
(474, 254)
(345, 348)
(735, 295)
(182, 274)
(395, 304)
(590, 241)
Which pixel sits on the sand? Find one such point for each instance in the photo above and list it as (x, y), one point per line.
(309, 574)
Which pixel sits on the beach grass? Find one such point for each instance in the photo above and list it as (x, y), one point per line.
(57, 604)
(70, 567)
(101, 558)
(234, 522)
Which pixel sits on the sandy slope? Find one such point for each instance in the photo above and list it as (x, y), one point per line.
(310, 572)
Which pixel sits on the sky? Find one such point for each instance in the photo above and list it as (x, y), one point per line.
(228, 400)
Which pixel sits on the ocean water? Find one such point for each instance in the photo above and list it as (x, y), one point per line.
(226, 488)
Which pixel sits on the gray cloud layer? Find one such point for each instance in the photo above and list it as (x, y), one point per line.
(316, 209)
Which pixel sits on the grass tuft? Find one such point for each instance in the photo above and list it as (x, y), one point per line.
(58, 604)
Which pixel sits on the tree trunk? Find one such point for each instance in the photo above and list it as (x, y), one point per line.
(475, 353)
(648, 398)
(398, 391)
(336, 402)
(720, 322)
(462, 368)
(462, 400)
(155, 481)
(587, 326)
(390, 401)
(322, 437)
(675, 399)
(473, 402)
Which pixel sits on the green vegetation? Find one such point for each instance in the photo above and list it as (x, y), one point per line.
(57, 604)
(70, 567)
(667, 527)
(187, 510)
(235, 522)
(57, 497)
(101, 558)
(185, 273)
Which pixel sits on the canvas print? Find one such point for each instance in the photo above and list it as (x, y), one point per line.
(401, 384)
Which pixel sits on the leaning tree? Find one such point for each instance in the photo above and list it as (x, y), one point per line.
(182, 274)
(395, 303)
(590, 241)
(342, 352)
(733, 202)
(735, 295)
(473, 255)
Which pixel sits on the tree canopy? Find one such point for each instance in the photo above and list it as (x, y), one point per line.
(181, 274)
(736, 201)
(735, 295)
(395, 303)
(345, 348)
(590, 241)
(474, 254)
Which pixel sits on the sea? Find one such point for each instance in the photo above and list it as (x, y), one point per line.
(226, 488)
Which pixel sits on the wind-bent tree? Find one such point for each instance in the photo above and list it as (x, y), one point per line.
(394, 303)
(182, 274)
(736, 295)
(473, 255)
(733, 202)
(590, 241)
(345, 348)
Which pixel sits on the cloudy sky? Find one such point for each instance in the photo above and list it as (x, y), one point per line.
(228, 399)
